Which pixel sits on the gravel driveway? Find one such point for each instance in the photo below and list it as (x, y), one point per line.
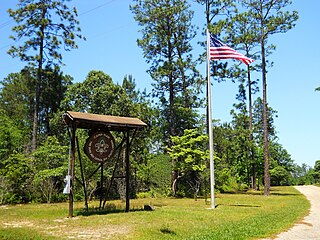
(309, 227)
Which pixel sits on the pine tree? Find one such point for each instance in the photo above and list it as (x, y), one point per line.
(270, 19)
(242, 34)
(45, 26)
(166, 34)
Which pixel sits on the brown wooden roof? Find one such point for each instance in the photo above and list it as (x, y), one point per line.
(89, 121)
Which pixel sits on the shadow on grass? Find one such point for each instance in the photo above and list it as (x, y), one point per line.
(284, 194)
(105, 211)
(245, 192)
(239, 205)
(167, 230)
(275, 192)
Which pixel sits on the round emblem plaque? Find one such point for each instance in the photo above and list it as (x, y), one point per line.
(100, 146)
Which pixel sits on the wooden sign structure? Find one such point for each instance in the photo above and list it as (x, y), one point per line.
(100, 145)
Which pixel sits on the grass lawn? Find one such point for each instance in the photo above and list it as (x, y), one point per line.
(237, 216)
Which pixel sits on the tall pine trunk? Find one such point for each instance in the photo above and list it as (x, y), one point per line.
(172, 116)
(265, 120)
(172, 132)
(253, 163)
(38, 84)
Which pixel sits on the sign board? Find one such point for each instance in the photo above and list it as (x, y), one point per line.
(100, 146)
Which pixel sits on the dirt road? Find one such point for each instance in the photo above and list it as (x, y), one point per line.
(309, 227)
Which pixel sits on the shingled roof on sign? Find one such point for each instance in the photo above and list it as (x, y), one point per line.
(90, 120)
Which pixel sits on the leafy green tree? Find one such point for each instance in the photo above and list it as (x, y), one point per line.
(96, 94)
(154, 174)
(258, 126)
(279, 176)
(317, 166)
(190, 156)
(16, 177)
(129, 85)
(223, 144)
(16, 99)
(11, 137)
(230, 157)
(54, 87)
(258, 131)
(241, 140)
(226, 181)
(270, 18)
(280, 157)
(303, 175)
(50, 164)
(45, 26)
(316, 173)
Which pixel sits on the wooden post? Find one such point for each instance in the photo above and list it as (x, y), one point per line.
(101, 186)
(82, 177)
(72, 163)
(127, 172)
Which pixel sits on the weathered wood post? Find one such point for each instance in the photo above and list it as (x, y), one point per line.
(127, 171)
(72, 168)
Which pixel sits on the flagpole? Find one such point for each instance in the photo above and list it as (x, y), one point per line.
(209, 112)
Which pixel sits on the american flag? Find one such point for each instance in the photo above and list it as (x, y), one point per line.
(219, 50)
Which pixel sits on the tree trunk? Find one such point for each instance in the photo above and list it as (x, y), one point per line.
(265, 121)
(35, 117)
(253, 163)
(172, 113)
(172, 133)
(38, 84)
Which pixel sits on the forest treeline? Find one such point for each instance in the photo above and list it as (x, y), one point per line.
(170, 156)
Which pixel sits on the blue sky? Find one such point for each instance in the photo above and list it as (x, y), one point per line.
(111, 34)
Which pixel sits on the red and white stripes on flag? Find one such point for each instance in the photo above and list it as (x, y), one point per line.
(219, 50)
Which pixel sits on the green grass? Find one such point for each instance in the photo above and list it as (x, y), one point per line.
(237, 216)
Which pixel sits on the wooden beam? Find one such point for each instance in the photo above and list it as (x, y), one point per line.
(72, 163)
(83, 182)
(127, 171)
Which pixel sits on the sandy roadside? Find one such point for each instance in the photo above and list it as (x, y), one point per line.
(309, 227)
